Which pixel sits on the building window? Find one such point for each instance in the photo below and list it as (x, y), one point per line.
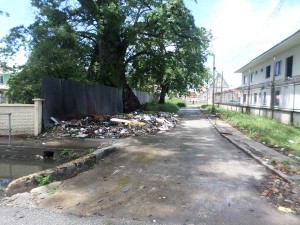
(262, 70)
(245, 79)
(244, 98)
(265, 98)
(277, 98)
(289, 66)
(268, 71)
(278, 68)
(1, 80)
(255, 98)
(251, 77)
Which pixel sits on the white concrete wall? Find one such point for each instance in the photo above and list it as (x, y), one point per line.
(280, 115)
(26, 119)
(297, 98)
(22, 119)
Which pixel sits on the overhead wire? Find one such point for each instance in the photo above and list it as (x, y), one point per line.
(269, 20)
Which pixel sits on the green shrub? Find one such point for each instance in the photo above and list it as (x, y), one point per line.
(156, 107)
(42, 180)
(181, 104)
(68, 154)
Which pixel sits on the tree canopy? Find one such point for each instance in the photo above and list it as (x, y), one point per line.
(121, 43)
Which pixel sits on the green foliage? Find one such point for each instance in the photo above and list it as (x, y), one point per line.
(91, 150)
(68, 154)
(52, 191)
(286, 162)
(177, 102)
(267, 131)
(273, 161)
(156, 107)
(177, 50)
(207, 107)
(42, 180)
(181, 104)
(116, 43)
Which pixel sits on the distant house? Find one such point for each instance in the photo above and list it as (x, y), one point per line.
(3, 86)
(220, 86)
(272, 80)
(231, 96)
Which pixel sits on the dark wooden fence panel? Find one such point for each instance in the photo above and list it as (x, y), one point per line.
(66, 100)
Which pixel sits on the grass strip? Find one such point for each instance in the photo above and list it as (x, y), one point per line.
(266, 131)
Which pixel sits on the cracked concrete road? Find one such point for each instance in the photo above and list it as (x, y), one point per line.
(190, 175)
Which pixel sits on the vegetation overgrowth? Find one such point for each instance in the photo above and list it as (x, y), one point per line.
(272, 133)
(171, 106)
(156, 107)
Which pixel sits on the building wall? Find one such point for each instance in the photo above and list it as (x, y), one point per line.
(22, 119)
(26, 119)
(259, 71)
(284, 116)
(257, 91)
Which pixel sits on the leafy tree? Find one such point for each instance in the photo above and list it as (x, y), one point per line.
(112, 42)
(178, 50)
(4, 13)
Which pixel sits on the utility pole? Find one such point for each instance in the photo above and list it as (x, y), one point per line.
(213, 92)
(221, 99)
(273, 87)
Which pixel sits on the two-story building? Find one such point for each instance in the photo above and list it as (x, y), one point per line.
(272, 81)
(3, 86)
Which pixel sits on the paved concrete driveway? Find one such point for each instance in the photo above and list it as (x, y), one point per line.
(190, 175)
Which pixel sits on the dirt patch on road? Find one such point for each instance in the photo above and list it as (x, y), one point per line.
(280, 193)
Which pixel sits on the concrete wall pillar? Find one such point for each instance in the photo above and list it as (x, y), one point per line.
(38, 112)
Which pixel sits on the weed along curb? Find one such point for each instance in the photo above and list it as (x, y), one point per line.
(61, 172)
(296, 189)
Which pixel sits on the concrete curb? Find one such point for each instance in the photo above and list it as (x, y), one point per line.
(259, 160)
(61, 172)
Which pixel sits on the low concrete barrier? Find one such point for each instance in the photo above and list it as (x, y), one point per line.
(61, 172)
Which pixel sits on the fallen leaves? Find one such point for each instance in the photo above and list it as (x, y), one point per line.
(280, 193)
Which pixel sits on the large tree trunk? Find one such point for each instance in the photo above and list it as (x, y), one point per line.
(130, 101)
(163, 93)
(95, 58)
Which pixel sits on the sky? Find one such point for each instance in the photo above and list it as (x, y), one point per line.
(241, 29)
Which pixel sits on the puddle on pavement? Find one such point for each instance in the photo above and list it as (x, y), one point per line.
(11, 169)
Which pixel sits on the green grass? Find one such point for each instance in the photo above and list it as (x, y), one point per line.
(178, 102)
(267, 131)
(167, 107)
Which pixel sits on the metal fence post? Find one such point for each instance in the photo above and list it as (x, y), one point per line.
(9, 127)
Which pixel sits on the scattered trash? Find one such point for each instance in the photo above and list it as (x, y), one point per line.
(284, 209)
(117, 171)
(126, 189)
(280, 193)
(112, 126)
(265, 193)
(54, 120)
(291, 141)
(162, 198)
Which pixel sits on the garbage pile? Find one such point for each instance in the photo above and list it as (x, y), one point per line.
(113, 127)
